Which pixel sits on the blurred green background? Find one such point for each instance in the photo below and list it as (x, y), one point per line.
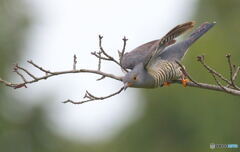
(175, 119)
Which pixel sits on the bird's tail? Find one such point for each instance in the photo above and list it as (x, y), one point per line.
(177, 51)
(199, 32)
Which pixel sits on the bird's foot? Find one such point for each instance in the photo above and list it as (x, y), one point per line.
(184, 82)
(166, 83)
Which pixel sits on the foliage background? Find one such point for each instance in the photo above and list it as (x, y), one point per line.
(175, 119)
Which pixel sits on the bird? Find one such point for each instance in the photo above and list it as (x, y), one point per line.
(154, 64)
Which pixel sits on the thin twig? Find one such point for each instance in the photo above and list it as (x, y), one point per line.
(211, 70)
(38, 67)
(219, 83)
(186, 74)
(74, 62)
(102, 77)
(100, 57)
(15, 69)
(99, 61)
(236, 73)
(26, 71)
(123, 49)
(230, 66)
(103, 51)
(231, 72)
(91, 97)
(108, 57)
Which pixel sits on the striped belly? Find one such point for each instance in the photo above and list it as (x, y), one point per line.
(164, 71)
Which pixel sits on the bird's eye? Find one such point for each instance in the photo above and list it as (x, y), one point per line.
(135, 78)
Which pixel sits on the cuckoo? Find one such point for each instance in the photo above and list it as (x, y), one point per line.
(154, 64)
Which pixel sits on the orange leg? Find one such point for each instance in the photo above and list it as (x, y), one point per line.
(184, 82)
(166, 83)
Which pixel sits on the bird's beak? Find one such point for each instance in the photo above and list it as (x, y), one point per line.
(127, 84)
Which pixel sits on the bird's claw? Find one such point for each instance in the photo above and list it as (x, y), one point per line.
(184, 82)
(166, 83)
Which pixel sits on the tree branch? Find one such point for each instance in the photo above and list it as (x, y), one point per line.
(51, 74)
(230, 88)
(74, 62)
(232, 78)
(211, 70)
(215, 74)
(91, 97)
(211, 87)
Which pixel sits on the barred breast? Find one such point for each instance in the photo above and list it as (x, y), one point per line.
(163, 71)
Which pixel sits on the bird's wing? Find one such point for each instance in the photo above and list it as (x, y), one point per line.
(177, 51)
(167, 40)
(137, 55)
(142, 53)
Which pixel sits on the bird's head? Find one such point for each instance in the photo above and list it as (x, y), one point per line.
(138, 78)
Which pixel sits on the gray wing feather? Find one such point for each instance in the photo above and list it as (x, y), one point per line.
(138, 55)
(145, 52)
(178, 50)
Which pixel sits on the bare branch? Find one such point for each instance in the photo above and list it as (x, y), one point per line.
(15, 69)
(211, 87)
(123, 49)
(211, 70)
(230, 66)
(96, 54)
(219, 83)
(103, 76)
(91, 97)
(74, 62)
(49, 74)
(38, 67)
(236, 73)
(9, 84)
(26, 71)
(186, 74)
(106, 55)
(193, 83)
(99, 61)
(231, 72)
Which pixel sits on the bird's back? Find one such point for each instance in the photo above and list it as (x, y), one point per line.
(138, 55)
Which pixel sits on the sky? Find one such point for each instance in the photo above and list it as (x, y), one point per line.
(62, 28)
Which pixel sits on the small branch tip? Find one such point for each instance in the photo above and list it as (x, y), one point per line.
(228, 55)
